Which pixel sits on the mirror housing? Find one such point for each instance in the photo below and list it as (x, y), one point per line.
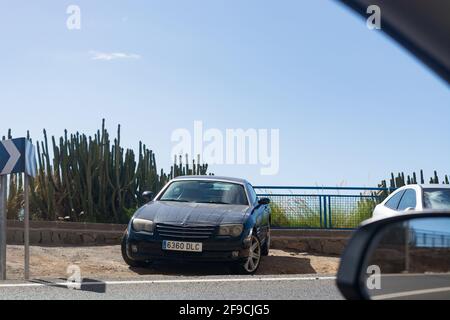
(264, 201)
(364, 242)
(409, 209)
(147, 195)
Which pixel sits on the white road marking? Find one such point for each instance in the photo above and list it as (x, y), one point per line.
(409, 293)
(173, 281)
(416, 274)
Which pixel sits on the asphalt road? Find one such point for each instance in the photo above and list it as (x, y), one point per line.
(294, 287)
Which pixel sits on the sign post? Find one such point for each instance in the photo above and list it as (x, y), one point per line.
(16, 156)
(3, 182)
(26, 227)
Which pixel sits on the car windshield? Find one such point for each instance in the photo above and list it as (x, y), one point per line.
(437, 198)
(205, 192)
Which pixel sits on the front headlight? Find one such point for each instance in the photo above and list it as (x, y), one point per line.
(233, 230)
(142, 225)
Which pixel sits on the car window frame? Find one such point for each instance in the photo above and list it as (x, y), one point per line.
(402, 192)
(164, 189)
(250, 189)
(403, 196)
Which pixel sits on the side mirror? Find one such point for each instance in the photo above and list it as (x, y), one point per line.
(147, 195)
(409, 209)
(401, 257)
(264, 201)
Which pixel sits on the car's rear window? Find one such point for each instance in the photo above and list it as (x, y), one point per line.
(436, 199)
(205, 192)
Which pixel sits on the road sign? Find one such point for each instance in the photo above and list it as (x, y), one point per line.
(16, 156)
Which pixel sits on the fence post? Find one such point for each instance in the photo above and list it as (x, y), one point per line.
(325, 216)
(320, 211)
(330, 224)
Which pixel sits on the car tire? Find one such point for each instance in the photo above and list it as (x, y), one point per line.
(251, 264)
(265, 249)
(132, 263)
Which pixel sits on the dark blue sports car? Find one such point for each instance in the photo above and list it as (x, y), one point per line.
(201, 218)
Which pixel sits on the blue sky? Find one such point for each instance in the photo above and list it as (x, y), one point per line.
(351, 105)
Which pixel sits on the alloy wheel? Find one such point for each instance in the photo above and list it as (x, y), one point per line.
(254, 256)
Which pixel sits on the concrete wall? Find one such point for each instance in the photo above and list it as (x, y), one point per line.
(329, 242)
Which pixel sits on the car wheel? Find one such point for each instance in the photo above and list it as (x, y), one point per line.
(132, 263)
(251, 264)
(266, 246)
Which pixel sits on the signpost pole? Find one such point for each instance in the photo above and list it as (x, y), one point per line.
(3, 199)
(26, 186)
(16, 156)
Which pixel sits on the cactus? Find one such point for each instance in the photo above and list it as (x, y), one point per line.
(436, 179)
(399, 180)
(88, 178)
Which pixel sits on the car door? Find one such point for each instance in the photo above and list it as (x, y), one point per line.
(261, 213)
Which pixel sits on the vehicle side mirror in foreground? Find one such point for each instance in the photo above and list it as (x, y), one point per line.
(264, 201)
(409, 209)
(401, 257)
(147, 195)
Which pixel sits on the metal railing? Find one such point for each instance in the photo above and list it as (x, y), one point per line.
(430, 239)
(321, 207)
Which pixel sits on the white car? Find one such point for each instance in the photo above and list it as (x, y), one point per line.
(414, 197)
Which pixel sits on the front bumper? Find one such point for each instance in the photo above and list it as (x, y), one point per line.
(142, 247)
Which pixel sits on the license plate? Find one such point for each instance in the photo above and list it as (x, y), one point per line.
(182, 246)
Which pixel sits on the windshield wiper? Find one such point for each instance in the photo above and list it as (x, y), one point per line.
(216, 202)
(174, 200)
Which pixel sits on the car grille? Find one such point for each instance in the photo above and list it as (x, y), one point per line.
(175, 232)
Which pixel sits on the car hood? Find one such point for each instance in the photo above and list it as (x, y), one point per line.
(193, 213)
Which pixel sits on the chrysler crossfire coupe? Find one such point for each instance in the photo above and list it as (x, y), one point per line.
(201, 218)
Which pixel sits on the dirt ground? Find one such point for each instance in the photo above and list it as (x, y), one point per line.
(106, 262)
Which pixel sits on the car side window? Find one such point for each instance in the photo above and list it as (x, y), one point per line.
(252, 193)
(408, 200)
(393, 202)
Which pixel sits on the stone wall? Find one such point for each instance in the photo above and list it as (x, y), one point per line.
(66, 233)
(329, 242)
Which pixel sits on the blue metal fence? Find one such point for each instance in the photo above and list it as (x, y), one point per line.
(430, 239)
(321, 207)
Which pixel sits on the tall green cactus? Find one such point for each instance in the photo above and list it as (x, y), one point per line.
(91, 179)
(399, 180)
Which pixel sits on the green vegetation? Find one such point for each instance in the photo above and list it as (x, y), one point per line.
(344, 215)
(92, 178)
(279, 217)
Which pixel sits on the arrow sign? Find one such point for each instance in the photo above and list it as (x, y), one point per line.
(17, 156)
(14, 156)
